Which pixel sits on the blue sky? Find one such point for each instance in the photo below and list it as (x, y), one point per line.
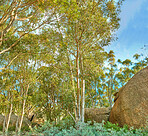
(133, 32)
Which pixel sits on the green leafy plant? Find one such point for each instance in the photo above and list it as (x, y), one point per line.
(66, 123)
(86, 129)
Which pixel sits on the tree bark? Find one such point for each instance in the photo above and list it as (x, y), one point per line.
(20, 118)
(109, 93)
(7, 118)
(78, 83)
(73, 86)
(83, 101)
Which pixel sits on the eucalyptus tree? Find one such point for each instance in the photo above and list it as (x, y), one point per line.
(16, 90)
(19, 18)
(53, 82)
(82, 28)
(140, 62)
(19, 22)
(93, 76)
(78, 30)
(110, 76)
(129, 68)
(7, 98)
(54, 90)
(125, 72)
(22, 77)
(85, 27)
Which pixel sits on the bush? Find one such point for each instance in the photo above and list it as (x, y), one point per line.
(66, 123)
(86, 129)
(1, 128)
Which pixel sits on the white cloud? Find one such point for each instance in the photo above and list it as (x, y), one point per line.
(129, 9)
(125, 47)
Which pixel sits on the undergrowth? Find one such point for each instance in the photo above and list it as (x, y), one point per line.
(86, 129)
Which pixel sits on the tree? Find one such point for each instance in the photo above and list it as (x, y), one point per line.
(110, 75)
(56, 60)
(17, 79)
(18, 19)
(140, 63)
(88, 26)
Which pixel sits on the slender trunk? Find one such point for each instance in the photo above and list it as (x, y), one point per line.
(109, 94)
(81, 96)
(48, 110)
(111, 88)
(6, 122)
(22, 116)
(7, 118)
(54, 108)
(78, 83)
(100, 99)
(20, 120)
(95, 92)
(4, 126)
(73, 87)
(111, 85)
(16, 127)
(50, 113)
(83, 100)
(82, 86)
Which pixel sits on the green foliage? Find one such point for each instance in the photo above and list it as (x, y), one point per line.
(66, 123)
(86, 129)
(109, 125)
(1, 128)
(12, 128)
(40, 67)
(46, 126)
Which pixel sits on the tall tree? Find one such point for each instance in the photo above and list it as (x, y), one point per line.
(18, 19)
(88, 25)
(110, 75)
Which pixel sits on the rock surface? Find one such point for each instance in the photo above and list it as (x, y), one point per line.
(97, 114)
(131, 102)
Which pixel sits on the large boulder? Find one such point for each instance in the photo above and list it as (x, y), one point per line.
(97, 114)
(131, 102)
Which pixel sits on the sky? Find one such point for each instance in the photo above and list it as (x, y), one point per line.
(133, 32)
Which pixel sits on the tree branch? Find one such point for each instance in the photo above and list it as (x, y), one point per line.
(25, 18)
(7, 12)
(14, 44)
(71, 116)
(10, 62)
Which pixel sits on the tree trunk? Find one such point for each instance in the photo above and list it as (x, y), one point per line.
(95, 93)
(7, 119)
(78, 83)
(4, 126)
(83, 101)
(109, 93)
(73, 86)
(16, 127)
(9, 116)
(20, 118)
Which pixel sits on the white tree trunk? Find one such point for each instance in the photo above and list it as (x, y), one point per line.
(7, 120)
(20, 120)
(78, 85)
(73, 86)
(9, 116)
(83, 101)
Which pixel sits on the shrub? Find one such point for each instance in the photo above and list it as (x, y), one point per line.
(66, 123)
(86, 129)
